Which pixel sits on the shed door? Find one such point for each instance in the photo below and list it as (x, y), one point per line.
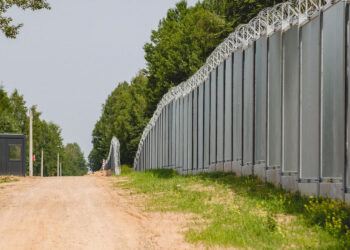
(15, 156)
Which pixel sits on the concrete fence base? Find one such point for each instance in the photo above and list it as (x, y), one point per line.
(247, 170)
(260, 171)
(332, 190)
(290, 183)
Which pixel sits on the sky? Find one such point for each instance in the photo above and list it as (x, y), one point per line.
(67, 60)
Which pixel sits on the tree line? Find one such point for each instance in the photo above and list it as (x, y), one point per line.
(46, 135)
(179, 46)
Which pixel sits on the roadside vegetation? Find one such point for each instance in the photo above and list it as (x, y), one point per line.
(7, 179)
(242, 212)
(47, 136)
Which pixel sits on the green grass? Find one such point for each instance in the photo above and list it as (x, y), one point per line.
(242, 211)
(126, 169)
(6, 179)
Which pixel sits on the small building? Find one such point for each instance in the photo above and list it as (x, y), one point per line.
(13, 154)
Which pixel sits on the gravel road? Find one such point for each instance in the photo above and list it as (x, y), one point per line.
(80, 213)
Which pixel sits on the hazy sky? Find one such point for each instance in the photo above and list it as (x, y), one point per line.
(69, 59)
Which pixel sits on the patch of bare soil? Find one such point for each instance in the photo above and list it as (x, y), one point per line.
(101, 173)
(81, 213)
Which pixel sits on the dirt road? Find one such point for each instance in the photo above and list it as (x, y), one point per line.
(80, 213)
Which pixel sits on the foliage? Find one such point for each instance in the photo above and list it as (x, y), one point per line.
(238, 12)
(46, 135)
(10, 30)
(74, 163)
(239, 212)
(330, 214)
(126, 169)
(179, 47)
(123, 116)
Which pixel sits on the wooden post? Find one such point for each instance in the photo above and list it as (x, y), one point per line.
(30, 143)
(58, 164)
(42, 163)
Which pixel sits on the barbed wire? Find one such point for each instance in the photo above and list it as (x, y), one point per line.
(269, 21)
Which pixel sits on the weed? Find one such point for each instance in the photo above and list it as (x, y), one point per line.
(243, 211)
(6, 179)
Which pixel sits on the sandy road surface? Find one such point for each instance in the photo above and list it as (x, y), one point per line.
(80, 213)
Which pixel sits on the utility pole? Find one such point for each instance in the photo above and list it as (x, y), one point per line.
(61, 169)
(30, 143)
(58, 164)
(42, 163)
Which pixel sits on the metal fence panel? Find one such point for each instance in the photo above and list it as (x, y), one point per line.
(181, 134)
(348, 104)
(165, 145)
(189, 132)
(151, 150)
(150, 142)
(153, 144)
(228, 110)
(310, 100)
(165, 140)
(274, 100)
(165, 136)
(213, 116)
(206, 138)
(195, 129)
(200, 135)
(147, 149)
(169, 132)
(140, 163)
(177, 134)
(173, 135)
(260, 100)
(237, 105)
(290, 158)
(248, 106)
(158, 144)
(333, 97)
(185, 133)
(161, 145)
(220, 114)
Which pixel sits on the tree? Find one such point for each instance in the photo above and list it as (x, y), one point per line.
(238, 12)
(19, 111)
(179, 47)
(47, 136)
(123, 116)
(73, 163)
(11, 30)
(8, 123)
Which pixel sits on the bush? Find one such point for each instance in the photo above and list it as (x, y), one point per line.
(333, 215)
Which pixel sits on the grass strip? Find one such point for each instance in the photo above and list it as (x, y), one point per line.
(242, 212)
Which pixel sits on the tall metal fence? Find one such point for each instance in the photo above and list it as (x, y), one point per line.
(113, 160)
(271, 101)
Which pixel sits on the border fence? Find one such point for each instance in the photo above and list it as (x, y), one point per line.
(272, 101)
(113, 159)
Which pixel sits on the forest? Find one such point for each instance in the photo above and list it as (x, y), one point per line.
(179, 46)
(46, 136)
